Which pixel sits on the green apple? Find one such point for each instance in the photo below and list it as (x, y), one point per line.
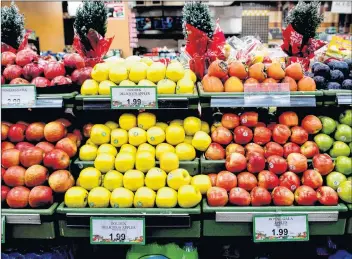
(323, 141)
(337, 122)
(345, 191)
(346, 117)
(334, 179)
(343, 164)
(329, 125)
(350, 145)
(349, 178)
(339, 148)
(343, 133)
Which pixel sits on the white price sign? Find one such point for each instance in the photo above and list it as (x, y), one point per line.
(119, 231)
(280, 228)
(134, 97)
(18, 96)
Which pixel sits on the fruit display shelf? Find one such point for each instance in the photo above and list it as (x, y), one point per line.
(30, 223)
(231, 99)
(341, 97)
(191, 166)
(349, 220)
(165, 101)
(238, 221)
(160, 222)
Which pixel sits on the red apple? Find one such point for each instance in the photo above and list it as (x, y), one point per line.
(3, 170)
(282, 196)
(17, 197)
(40, 196)
(14, 176)
(36, 175)
(35, 131)
(23, 123)
(267, 180)
(260, 196)
(4, 191)
(64, 122)
(236, 162)
(249, 119)
(309, 149)
(56, 159)
(215, 152)
(277, 164)
(87, 129)
(252, 147)
(239, 196)
(288, 118)
(260, 124)
(4, 131)
(281, 133)
(10, 157)
(262, 135)
(31, 156)
(311, 124)
(7, 123)
(230, 120)
(323, 164)
(290, 180)
(291, 147)
(70, 147)
(61, 180)
(217, 196)
(256, 162)
(305, 195)
(74, 138)
(273, 148)
(298, 135)
(271, 126)
(327, 196)
(226, 180)
(16, 132)
(54, 131)
(45, 146)
(221, 135)
(242, 135)
(21, 146)
(312, 179)
(234, 148)
(247, 181)
(297, 163)
(213, 178)
(6, 145)
(78, 133)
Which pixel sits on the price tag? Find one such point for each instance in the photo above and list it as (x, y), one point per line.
(2, 229)
(119, 231)
(280, 228)
(21, 96)
(134, 97)
(267, 95)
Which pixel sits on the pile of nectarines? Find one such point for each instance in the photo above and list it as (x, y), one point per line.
(33, 155)
(232, 77)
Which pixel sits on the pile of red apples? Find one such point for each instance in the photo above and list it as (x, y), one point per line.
(268, 164)
(34, 162)
(27, 67)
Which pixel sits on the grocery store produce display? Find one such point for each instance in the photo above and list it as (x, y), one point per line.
(136, 71)
(278, 153)
(35, 155)
(129, 177)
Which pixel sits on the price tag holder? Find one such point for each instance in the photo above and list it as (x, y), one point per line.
(280, 228)
(117, 231)
(18, 96)
(3, 230)
(134, 97)
(267, 95)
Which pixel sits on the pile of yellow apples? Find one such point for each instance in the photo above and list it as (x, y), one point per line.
(125, 154)
(136, 71)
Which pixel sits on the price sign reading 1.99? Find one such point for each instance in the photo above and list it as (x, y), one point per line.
(134, 97)
(280, 228)
(119, 231)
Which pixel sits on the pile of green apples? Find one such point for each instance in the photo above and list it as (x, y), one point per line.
(335, 138)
